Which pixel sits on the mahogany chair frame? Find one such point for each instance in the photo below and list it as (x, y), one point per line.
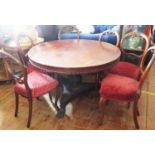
(144, 73)
(19, 79)
(21, 54)
(22, 79)
(25, 61)
(136, 34)
(68, 26)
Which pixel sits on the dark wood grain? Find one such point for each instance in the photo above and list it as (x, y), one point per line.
(74, 56)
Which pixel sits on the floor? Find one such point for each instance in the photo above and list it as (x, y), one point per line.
(85, 112)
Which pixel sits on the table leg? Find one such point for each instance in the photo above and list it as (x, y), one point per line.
(64, 100)
(71, 87)
(69, 93)
(49, 102)
(56, 111)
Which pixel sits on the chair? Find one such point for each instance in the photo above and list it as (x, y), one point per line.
(93, 32)
(29, 84)
(70, 78)
(126, 68)
(106, 33)
(111, 32)
(22, 43)
(22, 51)
(122, 88)
(69, 28)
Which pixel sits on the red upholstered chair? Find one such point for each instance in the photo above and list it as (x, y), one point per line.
(110, 32)
(29, 84)
(126, 68)
(122, 88)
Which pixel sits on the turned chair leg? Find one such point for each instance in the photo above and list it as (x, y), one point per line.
(17, 104)
(30, 112)
(138, 113)
(135, 114)
(101, 111)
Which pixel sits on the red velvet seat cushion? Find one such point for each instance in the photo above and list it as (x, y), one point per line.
(126, 69)
(119, 88)
(39, 83)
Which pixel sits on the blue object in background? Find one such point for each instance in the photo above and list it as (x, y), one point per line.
(154, 36)
(101, 28)
(109, 38)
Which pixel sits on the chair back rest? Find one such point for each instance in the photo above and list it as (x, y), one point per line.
(24, 43)
(110, 32)
(68, 28)
(138, 37)
(9, 59)
(146, 63)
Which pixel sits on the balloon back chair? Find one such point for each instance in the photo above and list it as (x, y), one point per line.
(63, 30)
(111, 32)
(22, 52)
(126, 68)
(122, 88)
(100, 75)
(28, 84)
(68, 28)
(24, 43)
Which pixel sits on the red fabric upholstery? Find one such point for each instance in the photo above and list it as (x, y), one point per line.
(31, 68)
(119, 88)
(126, 69)
(39, 83)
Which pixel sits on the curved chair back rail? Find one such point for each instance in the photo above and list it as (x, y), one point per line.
(21, 52)
(20, 79)
(136, 34)
(110, 32)
(69, 26)
(22, 35)
(145, 68)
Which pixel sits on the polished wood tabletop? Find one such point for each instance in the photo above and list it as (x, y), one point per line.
(74, 56)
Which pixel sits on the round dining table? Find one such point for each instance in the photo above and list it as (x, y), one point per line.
(73, 57)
